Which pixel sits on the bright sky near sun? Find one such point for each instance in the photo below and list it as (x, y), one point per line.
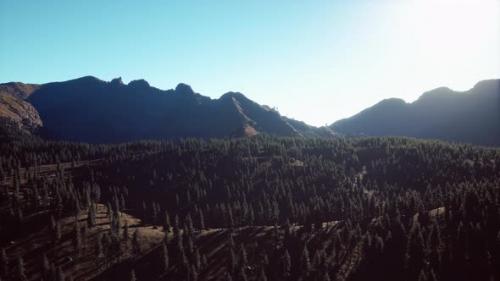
(315, 61)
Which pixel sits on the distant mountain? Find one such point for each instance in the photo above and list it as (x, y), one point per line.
(472, 116)
(91, 110)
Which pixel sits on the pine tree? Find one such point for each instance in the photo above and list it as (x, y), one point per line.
(242, 274)
(91, 216)
(165, 260)
(287, 264)
(132, 276)
(243, 255)
(422, 276)
(231, 241)
(202, 220)
(230, 217)
(197, 259)
(193, 274)
(4, 263)
(265, 259)
(144, 207)
(16, 185)
(45, 265)
(305, 260)
(415, 250)
(136, 247)
(122, 202)
(176, 225)
(58, 231)
(99, 248)
(126, 234)
(60, 274)
(77, 240)
(262, 275)
(154, 214)
(166, 222)
(21, 272)
(233, 260)
(189, 224)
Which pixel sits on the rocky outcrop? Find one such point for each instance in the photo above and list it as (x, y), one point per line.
(14, 107)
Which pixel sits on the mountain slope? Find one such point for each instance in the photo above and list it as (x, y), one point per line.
(17, 89)
(472, 116)
(18, 118)
(91, 110)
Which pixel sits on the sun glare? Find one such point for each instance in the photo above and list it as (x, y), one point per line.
(448, 30)
(453, 41)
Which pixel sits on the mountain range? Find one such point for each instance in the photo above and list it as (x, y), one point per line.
(472, 116)
(90, 110)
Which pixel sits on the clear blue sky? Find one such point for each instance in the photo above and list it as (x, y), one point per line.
(316, 61)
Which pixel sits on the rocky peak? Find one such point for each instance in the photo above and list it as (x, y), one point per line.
(184, 89)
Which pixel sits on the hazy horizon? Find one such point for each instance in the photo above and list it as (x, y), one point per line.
(317, 62)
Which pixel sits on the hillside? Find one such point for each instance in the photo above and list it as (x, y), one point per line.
(14, 109)
(260, 208)
(91, 110)
(471, 117)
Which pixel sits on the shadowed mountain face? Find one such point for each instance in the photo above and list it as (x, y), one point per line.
(90, 110)
(472, 116)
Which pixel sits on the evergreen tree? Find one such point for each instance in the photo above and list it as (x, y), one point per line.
(77, 239)
(286, 264)
(165, 260)
(201, 219)
(242, 274)
(193, 274)
(60, 274)
(20, 270)
(136, 247)
(4, 263)
(166, 222)
(91, 216)
(227, 277)
(305, 260)
(233, 261)
(126, 234)
(243, 256)
(262, 275)
(132, 276)
(45, 266)
(99, 247)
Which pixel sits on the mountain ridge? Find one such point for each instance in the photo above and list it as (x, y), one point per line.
(471, 116)
(88, 109)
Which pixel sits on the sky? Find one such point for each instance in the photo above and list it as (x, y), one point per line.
(315, 61)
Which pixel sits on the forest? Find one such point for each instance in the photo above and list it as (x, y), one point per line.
(259, 208)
